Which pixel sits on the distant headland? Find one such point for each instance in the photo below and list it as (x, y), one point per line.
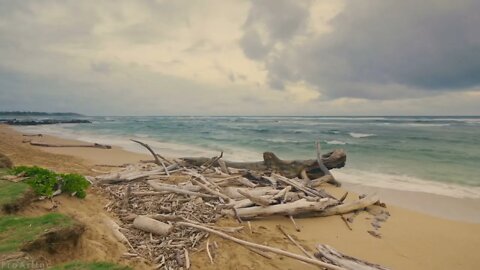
(29, 113)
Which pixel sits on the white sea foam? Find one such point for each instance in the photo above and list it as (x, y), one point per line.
(361, 135)
(336, 142)
(405, 183)
(426, 125)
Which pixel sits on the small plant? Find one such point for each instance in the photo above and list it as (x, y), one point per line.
(45, 182)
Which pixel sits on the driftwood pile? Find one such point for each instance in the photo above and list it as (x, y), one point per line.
(167, 207)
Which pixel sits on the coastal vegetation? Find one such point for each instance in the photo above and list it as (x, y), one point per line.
(90, 266)
(46, 182)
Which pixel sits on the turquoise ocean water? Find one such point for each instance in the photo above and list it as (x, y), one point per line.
(430, 154)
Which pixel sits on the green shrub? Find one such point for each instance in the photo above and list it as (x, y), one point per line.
(44, 182)
(75, 183)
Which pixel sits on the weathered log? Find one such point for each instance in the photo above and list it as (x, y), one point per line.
(347, 207)
(262, 247)
(256, 199)
(151, 225)
(288, 209)
(288, 168)
(328, 254)
(94, 145)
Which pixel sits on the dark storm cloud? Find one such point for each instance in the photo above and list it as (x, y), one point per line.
(376, 47)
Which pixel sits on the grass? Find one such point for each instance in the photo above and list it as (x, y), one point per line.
(11, 192)
(90, 266)
(16, 231)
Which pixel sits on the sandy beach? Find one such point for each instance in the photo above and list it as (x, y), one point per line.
(424, 231)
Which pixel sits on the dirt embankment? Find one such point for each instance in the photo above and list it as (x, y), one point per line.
(96, 242)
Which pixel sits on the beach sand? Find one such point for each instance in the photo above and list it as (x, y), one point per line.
(410, 239)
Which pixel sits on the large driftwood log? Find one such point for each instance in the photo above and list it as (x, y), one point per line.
(93, 145)
(329, 255)
(151, 225)
(349, 207)
(288, 168)
(288, 209)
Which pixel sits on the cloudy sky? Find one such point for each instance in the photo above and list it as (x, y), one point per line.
(258, 57)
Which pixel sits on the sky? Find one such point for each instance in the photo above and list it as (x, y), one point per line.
(240, 57)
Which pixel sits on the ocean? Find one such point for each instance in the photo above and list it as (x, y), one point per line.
(439, 155)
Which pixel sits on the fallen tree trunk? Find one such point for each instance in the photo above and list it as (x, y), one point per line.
(288, 168)
(329, 255)
(95, 145)
(348, 207)
(151, 225)
(288, 209)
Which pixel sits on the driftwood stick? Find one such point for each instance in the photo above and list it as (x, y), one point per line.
(294, 223)
(211, 162)
(95, 145)
(296, 185)
(342, 199)
(155, 156)
(323, 167)
(211, 191)
(263, 248)
(261, 253)
(346, 222)
(327, 253)
(323, 179)
(208, 251)
(187, 258)
(255, 199)
(279, 227)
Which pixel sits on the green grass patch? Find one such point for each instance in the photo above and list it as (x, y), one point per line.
(11, 192)
(44, 182)
(90, 266)
(16, 231)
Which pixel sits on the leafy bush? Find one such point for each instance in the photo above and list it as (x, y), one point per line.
(44, 182)
(75, 183)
